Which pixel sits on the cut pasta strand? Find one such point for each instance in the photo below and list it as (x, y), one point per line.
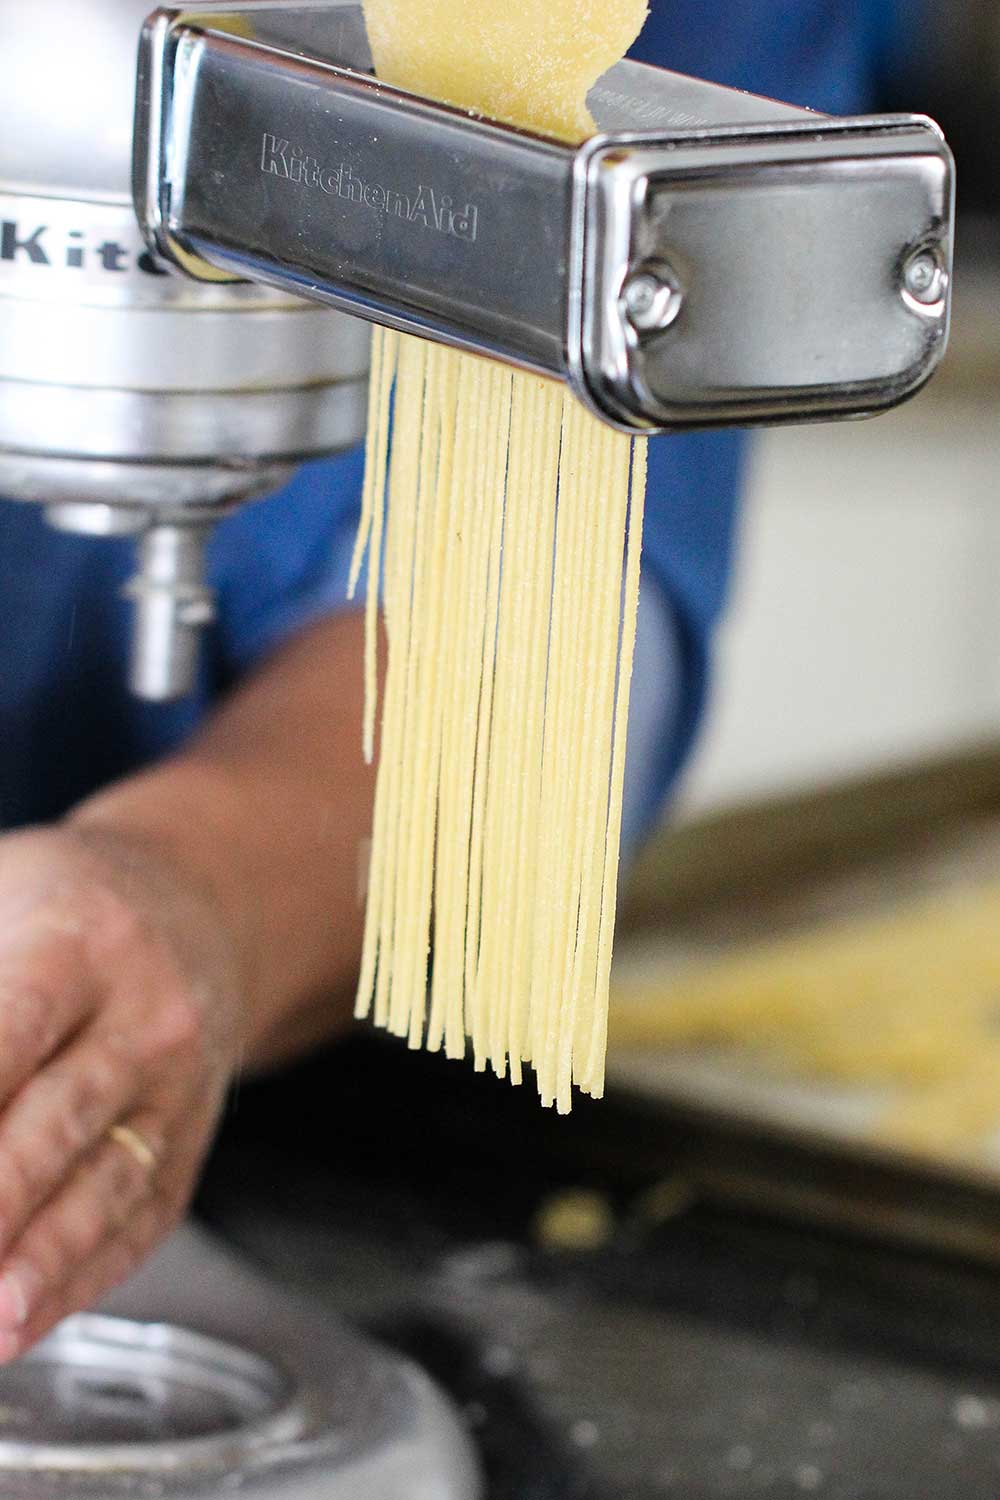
(501, 771)
(504, 524)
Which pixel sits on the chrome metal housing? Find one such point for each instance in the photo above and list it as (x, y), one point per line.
(264, 149)
(202, 1378)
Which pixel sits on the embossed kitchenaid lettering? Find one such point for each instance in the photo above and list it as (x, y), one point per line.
(426, 207)
(71, 250)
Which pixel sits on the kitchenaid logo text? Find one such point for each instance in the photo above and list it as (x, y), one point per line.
(431, 210)
(70, 250)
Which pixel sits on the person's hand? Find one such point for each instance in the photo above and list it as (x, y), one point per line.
(119, 1034)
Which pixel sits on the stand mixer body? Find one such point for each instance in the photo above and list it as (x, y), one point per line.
(134, 401)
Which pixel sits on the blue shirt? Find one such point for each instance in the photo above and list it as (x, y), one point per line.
(67, 722)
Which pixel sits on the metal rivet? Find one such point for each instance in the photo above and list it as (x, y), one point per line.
(925, 279)
(651, 300)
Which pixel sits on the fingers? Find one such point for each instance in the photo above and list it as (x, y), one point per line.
(114, 1262)
(112, 1183)
(46, 996)
(98, 1229)
(114, 1030)
(56, 1119)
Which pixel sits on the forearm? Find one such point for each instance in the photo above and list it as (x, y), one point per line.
(268, 812)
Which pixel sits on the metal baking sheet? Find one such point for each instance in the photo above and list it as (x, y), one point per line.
(748, 1088)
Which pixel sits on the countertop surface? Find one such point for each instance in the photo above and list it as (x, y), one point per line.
(711, 1341)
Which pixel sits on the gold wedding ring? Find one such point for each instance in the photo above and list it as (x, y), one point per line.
(135, 1144)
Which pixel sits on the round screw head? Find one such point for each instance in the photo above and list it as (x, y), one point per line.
(925, 279)
(651, 300)
(640, 295)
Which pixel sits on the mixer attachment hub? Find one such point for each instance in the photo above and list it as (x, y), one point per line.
(173, 604)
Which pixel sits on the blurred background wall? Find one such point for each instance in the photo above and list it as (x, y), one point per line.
(864, 630)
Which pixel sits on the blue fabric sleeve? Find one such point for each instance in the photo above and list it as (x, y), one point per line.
(694, 484)
(283, 563)
(658, 681)
(825, 54)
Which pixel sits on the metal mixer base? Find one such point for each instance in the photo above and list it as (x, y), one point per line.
(202, 1377)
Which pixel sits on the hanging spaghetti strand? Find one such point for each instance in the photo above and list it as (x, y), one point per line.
(505, 525)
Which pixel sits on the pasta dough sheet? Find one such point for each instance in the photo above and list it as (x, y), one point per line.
(510, 547)
(530, 63)
(910, 1001)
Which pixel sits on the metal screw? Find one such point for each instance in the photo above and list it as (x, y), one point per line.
(651, 300)
(925, 278)
(640, 296)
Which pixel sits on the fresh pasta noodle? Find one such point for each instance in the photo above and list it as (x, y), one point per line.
(504, 524)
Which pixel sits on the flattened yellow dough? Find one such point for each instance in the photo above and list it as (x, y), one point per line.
(530, 63)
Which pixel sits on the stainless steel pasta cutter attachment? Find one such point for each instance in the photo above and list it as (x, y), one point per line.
(710, 258)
